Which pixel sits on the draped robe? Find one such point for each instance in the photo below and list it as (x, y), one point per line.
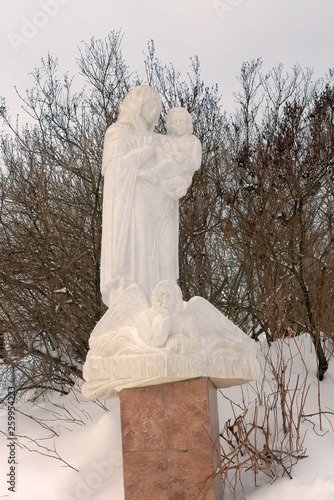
(140, 220)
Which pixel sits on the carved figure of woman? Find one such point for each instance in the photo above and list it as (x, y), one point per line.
(129, 151)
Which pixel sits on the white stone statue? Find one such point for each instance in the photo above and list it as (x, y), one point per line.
(144, 176)
(141, 342)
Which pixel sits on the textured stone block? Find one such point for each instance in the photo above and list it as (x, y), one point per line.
(145, 475)
(189, 474)
(142, 419)
(170, 438)
(187, 415)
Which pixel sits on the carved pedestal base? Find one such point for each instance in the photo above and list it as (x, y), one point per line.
(170, 439)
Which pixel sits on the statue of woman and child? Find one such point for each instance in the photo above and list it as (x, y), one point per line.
(145, 174)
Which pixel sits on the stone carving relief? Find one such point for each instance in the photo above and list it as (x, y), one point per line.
(138, 342)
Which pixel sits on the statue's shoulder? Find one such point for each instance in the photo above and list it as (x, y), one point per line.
(118, 136)
(190, 145)
(195, 141)
(117, 128)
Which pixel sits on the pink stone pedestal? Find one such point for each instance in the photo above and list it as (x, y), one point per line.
(170, 439)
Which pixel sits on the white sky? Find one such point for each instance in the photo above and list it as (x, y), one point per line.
(223, 33)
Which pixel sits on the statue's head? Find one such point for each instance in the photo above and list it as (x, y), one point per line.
(179, 122)
(167, 295)
(141, 108)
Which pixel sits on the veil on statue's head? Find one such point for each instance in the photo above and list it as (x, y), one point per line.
(132, 104)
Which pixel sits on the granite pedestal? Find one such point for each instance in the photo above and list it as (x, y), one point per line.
(170, 439)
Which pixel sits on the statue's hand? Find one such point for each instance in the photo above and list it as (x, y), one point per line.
(175, 187)
(149, 142)
(178, 157)
(175, 344)
(148, 175)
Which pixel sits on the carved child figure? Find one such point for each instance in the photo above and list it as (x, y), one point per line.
(181, 153)
(154, 324)
(166, 323)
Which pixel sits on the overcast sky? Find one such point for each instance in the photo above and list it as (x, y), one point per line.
(223, 33)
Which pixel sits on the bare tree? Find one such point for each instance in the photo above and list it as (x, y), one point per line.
(282, 153)
(50, 216)
(256, 226)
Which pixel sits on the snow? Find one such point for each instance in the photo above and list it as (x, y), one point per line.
(86, 435)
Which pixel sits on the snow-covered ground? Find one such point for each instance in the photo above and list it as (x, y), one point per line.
(86, 436)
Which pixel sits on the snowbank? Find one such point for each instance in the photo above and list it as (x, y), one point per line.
(88, 438)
